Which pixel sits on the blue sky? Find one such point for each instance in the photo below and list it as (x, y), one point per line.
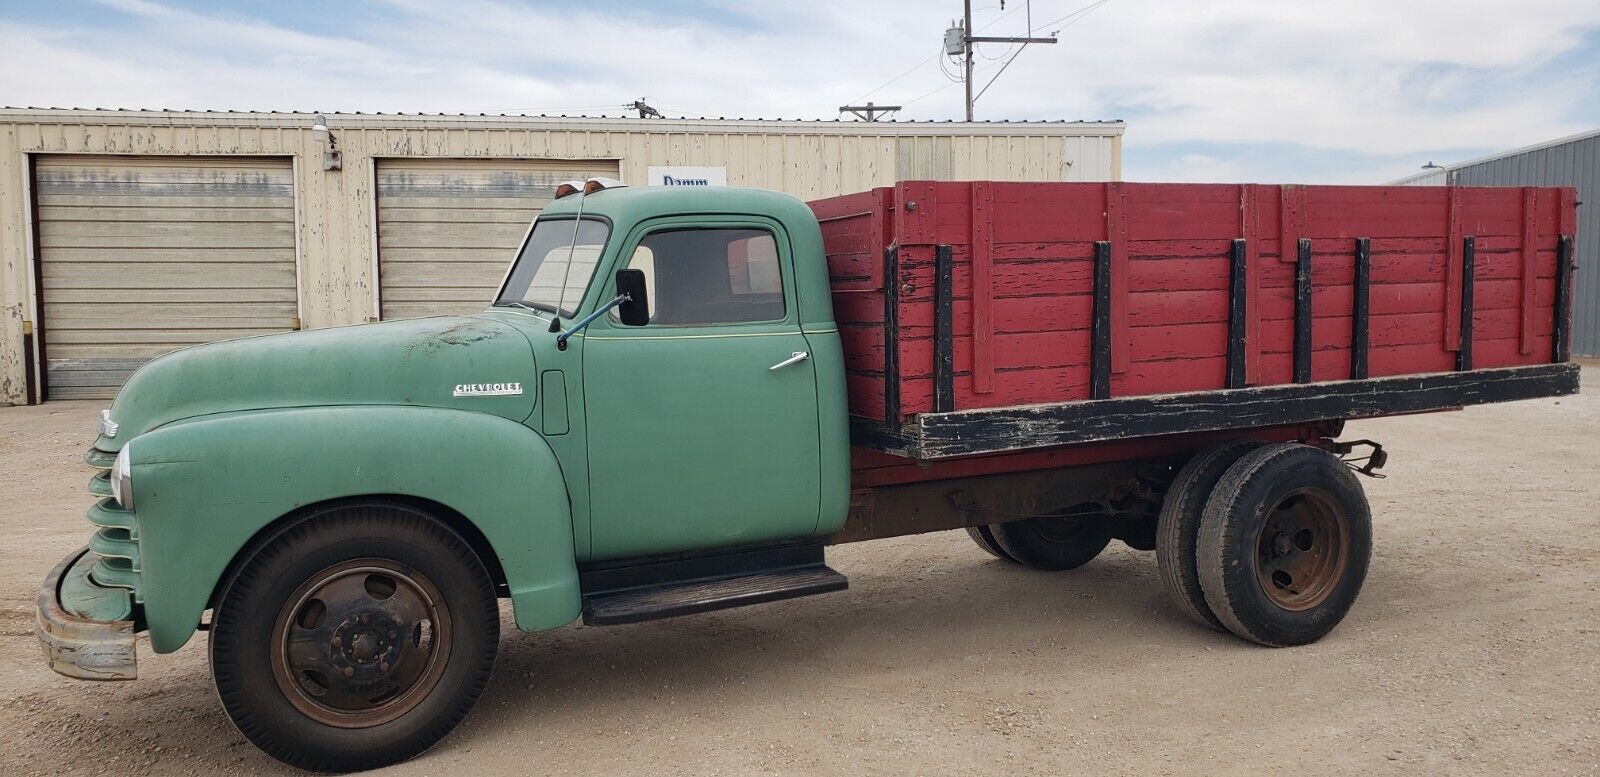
(1345, 91)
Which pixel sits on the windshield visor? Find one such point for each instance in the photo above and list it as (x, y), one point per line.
(554, 266)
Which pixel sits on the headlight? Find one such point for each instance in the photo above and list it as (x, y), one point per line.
(122, 479)
(108, 427)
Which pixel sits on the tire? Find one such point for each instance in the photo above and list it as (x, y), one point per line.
(1178, 527)
(1284, 543)
(1053, 543)
(983, 537)
(356, 638)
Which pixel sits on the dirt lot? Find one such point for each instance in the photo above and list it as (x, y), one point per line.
(1475, 649)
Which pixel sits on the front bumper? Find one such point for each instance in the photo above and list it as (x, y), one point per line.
(76, 646)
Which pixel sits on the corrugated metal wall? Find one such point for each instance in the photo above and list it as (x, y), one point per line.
(1575, 163)
(446, 227)
(139, 256)
(336, 226)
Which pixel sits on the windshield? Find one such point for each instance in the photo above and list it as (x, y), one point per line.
(542, 277)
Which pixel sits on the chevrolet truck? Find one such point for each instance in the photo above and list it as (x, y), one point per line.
(680, 397)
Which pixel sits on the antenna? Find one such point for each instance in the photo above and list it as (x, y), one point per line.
(644, 109)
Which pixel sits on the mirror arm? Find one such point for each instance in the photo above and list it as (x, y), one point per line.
(578, 326)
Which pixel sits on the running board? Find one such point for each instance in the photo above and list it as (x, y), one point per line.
(664, 587)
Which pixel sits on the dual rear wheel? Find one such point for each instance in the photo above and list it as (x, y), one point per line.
(1269, 541)
(1056, 542)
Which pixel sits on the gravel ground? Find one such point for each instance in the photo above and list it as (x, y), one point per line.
(1474, 649)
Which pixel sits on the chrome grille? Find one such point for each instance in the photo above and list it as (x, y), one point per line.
(116, 541)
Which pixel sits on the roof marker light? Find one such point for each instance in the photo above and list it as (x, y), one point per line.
(601, 184)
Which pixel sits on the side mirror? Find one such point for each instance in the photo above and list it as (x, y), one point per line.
(635, 311)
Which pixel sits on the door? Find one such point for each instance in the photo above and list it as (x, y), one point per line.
(144, 255)
(447, 228)
(702, 425)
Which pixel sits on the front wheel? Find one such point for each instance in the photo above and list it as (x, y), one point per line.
(356, 638)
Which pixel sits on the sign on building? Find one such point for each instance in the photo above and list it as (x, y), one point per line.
(687, 176)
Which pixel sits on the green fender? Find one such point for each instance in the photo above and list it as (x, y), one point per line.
(204, 487)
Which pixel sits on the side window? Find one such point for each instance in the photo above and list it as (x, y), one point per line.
(711, 276)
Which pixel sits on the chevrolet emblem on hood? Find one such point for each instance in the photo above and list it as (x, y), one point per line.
(488, 389)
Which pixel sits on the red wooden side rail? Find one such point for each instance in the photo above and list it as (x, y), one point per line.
(963, 296)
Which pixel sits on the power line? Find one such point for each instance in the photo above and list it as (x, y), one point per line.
(997, 75)
(1065, 21)
(952, 78)
(936, 90)
(1074, 18)
(551, 109)
(916, 67)
(646, 111)
(870, 111)
(961, 37)
(1080, 13)
(891, 81)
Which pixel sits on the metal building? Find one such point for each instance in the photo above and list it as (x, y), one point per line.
(126, 234)
(1569, 161)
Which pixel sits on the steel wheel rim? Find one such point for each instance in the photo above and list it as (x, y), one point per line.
(1064, 530)
(1300, 549)
(361, 643)
(1072, 526)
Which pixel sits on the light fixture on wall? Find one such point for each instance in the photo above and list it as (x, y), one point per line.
(332, 157)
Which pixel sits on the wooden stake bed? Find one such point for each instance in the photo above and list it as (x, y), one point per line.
(985, 317)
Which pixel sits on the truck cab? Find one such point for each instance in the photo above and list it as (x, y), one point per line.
(720, 419)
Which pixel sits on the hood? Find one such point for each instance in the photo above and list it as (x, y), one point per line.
(462, 362)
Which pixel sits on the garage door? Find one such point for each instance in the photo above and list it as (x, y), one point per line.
(144, 255)
(447, 228)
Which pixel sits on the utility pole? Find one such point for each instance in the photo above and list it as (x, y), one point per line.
(868, 112)
(966, 49)
(644, 109)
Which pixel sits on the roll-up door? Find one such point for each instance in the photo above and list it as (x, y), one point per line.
(143, 255)
(447, 228)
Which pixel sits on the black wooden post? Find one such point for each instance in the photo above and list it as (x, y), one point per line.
(1100, 333)
(1302, 313)
(1360, 310)
(1468, 260)
(944, 381)
(1237, 313)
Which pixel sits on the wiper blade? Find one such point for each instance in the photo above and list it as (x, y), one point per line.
(532, 308)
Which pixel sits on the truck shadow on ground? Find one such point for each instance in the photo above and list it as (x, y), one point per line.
(905, 616)
(900, 621)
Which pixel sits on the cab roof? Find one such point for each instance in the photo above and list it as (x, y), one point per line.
(634, 203)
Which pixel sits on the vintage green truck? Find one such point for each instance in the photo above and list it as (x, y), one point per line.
(661, 414)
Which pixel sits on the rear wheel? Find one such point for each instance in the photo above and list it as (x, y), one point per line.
(1056, 543)
(983, 537)
(1178, 528)
(1284, 544)
(356, 638)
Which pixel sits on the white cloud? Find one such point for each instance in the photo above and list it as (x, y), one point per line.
(1359, 77)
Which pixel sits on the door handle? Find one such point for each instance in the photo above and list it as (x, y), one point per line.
(794, 358)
